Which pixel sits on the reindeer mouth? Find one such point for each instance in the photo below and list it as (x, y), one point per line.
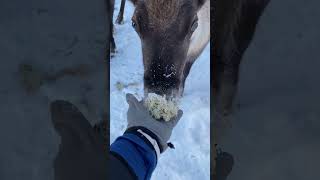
(172, 94)
(163, 82)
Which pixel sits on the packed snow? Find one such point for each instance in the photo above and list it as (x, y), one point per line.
(190, 159)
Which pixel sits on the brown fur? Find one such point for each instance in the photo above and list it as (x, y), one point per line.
(165, 28)
(161, 13)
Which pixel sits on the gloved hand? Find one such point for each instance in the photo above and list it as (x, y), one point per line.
(139, 116)
(81, 154)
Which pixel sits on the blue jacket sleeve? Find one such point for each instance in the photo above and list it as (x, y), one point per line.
(134, 150)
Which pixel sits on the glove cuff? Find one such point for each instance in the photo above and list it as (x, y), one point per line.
(135, 130)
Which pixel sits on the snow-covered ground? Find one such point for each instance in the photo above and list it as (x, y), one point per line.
(190, 159)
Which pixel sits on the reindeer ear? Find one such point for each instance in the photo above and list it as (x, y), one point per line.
(134, 2)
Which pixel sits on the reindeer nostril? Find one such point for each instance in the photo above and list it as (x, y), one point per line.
(157, 81)
(161, 78)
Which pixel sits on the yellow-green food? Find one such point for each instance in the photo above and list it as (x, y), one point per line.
(159, 107)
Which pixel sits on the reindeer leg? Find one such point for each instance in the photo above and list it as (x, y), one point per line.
(112, 45)
(112, 42)
(226, 89)
(120, 15)
(234, 34)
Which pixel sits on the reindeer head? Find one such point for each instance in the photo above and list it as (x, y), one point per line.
(165, 28)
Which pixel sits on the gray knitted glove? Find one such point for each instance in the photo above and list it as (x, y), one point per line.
(139, 116)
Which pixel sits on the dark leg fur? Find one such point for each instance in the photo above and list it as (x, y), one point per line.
(235, 25)
(120, 15)
(112, 42)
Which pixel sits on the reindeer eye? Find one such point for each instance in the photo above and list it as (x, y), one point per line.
(134, 25)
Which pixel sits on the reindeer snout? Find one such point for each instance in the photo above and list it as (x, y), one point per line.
(161, 83)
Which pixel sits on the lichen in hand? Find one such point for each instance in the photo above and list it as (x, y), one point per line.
(159, 107)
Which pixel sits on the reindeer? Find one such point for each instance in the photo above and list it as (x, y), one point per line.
(234, 26)
(119, 20)
(120, 15)
(111, 43)
(173, 34)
